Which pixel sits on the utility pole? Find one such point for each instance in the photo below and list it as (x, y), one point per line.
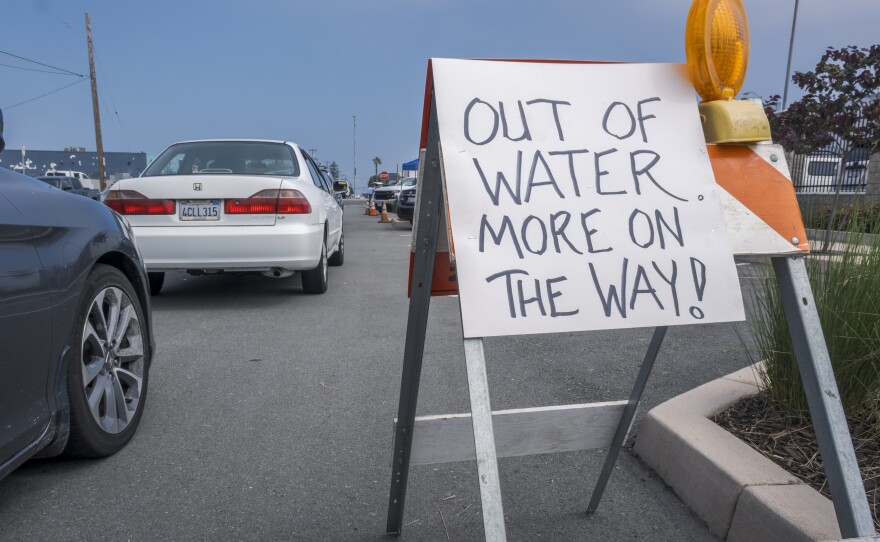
(788, 66)
(98, 140)
(354, 153)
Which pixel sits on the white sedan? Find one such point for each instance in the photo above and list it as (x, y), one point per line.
(234, 206)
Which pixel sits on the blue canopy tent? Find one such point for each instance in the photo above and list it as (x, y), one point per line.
(411, 166)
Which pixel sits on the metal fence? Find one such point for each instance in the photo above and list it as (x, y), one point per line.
(816, 172)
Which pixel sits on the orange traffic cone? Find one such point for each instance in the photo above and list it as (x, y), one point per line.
(384, 217)
(372, 208)
(367, 207)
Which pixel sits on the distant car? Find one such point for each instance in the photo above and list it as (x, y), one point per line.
(75, 325)
(84, 179)
(855, 176)
(406, 203)
(387, 194)
(216, 206)
(72, 185)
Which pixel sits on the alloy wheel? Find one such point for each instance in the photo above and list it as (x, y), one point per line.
(112, 359)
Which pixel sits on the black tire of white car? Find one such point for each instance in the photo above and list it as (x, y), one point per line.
(314, 281)
(338, 257)
(116, 372)
(156, 282)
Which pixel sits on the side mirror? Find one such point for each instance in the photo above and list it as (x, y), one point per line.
(340, 187)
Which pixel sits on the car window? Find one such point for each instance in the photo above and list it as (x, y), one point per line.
(317, 177)
(76, 184)
(822, 168)
(172, 165)
(859, 154)
(225, 158)
(328, 182)
(65, 184)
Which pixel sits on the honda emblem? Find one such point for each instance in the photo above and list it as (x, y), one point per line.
(197, 186)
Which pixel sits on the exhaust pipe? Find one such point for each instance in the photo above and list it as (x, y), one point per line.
(277, 273)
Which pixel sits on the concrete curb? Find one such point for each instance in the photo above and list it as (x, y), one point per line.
(399, 224)
(740, 494)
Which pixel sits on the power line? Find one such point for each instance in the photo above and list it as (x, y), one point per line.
(112, 101)
(65, 23)
(41, 64)
(115, 112)
(32, 69)
(78, 81)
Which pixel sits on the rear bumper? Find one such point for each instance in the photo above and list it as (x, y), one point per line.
(253, 248)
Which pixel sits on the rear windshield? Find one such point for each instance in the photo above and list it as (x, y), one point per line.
(54, 182)
(225, 158)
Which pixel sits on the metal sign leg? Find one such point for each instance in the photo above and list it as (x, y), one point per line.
(484, 441)
(823, 398)
(626, 419)
(430, 199)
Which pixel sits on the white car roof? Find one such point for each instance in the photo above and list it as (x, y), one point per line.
(242, 139)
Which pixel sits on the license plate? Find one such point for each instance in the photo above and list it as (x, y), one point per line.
(199, 209)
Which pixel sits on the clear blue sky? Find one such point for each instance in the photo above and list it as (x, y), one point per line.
(285, 69)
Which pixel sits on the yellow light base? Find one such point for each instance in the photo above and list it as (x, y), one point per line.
(734, 121)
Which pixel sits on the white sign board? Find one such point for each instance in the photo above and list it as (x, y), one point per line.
(580, 197)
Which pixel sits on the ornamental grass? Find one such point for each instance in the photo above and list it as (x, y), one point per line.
(846, 286)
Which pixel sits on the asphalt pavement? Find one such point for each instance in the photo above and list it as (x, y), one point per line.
(269, 417)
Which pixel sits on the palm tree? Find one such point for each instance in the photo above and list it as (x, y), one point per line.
(376, 163)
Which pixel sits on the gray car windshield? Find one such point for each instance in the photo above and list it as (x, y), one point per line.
(225, 158)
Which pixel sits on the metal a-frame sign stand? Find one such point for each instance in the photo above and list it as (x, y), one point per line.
(493, 437)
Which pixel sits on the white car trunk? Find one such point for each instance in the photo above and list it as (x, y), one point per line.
(198, 191)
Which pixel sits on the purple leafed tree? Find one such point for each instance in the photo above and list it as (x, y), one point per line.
(840, 111)
(841, 105)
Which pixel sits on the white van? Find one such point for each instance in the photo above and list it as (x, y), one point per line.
(818, 171)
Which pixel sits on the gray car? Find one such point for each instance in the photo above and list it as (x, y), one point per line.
(387, 194)
(406, 203)
(72, 185)
(75, 334)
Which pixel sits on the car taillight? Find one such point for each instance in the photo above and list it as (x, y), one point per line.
(282, 202)
(129, 202)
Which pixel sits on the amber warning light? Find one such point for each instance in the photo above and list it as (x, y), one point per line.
(717, 49)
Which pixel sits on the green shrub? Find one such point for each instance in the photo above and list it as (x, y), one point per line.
(868, 217)
(846, 287)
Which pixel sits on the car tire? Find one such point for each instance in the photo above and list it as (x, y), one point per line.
(156, 282)
(338, 257)
(314, 281)
(106, 410)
